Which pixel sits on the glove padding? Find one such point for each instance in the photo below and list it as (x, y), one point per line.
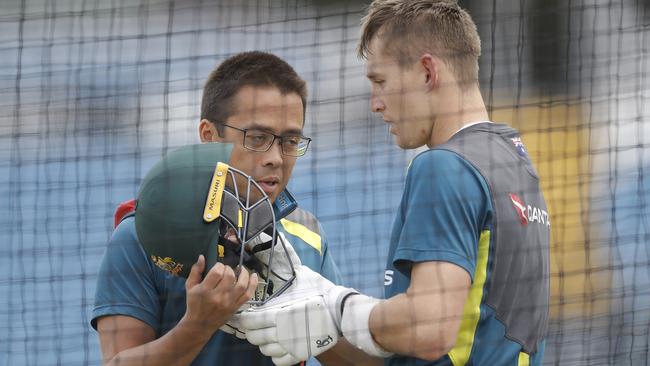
(232, 326)
(299, 323)
(291, 332)
(282, 268)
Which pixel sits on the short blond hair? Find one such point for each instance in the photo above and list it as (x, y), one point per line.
(410, 28)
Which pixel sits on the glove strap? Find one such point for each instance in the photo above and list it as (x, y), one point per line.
(355, 324)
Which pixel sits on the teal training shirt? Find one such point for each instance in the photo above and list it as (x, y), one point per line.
(130, 284)
(446, 214)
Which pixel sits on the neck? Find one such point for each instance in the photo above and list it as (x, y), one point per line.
(457, 109)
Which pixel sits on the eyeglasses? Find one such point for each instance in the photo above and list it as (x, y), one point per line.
(261, 141)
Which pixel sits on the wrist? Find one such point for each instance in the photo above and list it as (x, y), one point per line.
(193, 331)
(355, 322)
(337, 296)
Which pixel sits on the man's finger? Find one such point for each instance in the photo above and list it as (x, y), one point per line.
(258, 319)
(239, 334)
(286, 360)
(228, 328)
(261, 336)
(273, 350)
(194, 277)
(250, 290)
(241, 284)
(214, 276)
(227, 280)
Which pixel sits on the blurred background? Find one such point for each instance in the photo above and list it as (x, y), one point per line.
(92, 93)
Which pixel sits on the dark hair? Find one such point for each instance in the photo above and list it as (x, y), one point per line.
(247, 69)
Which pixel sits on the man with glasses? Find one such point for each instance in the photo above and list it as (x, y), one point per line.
(145, 316)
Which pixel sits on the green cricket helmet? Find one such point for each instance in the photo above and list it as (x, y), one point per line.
(192, 202)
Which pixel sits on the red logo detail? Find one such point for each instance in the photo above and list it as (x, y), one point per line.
(520, 207)
(123, 209)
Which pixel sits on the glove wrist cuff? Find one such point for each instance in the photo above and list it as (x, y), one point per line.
(335, 299)
(355, 324)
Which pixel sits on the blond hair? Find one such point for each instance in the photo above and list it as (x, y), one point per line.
(410, 28)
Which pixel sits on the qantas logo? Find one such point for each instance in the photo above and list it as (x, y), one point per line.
(529, 214)
(520, 207)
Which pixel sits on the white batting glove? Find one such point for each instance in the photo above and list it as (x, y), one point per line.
(297, 324)
(292, 332)
(233, 327)
(307, 320)
(283, 262)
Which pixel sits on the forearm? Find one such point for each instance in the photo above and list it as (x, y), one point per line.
(178, 347)
(405, 324)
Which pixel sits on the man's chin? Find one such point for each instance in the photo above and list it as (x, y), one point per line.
(402, 143)
(273, 195)
(273, 198)
(409, 145)
(271, 192)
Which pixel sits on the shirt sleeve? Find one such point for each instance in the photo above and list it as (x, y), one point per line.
(126, 281)
(443, 209)
(329, 269)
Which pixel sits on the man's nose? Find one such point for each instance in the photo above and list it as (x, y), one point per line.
(376, 104)
(273, 156)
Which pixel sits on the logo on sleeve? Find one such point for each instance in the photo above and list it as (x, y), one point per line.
(388, 277)
(519, 145)
(324, 342)
(529, 214)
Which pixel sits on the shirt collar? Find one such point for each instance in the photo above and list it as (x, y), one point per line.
(470, 125)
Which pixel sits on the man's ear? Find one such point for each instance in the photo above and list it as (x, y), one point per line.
(430, 68)
(208, 131)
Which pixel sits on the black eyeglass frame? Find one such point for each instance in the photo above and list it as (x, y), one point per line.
(275, 137)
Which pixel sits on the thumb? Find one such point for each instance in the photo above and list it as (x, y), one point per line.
(195, 273)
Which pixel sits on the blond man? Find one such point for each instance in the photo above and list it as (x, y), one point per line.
(467, 278)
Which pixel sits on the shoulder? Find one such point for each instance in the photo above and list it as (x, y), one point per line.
(124, 246)
(441, 177)
(438, 168)
(303, 226)
(303, 217)
(128, 282)
(126, 262)
(124, 233)
(438, 160)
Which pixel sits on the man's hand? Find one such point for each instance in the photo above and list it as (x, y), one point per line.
(309, 318)
(213, 300)
(292, 332)
(283, 260)
(297, 324)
